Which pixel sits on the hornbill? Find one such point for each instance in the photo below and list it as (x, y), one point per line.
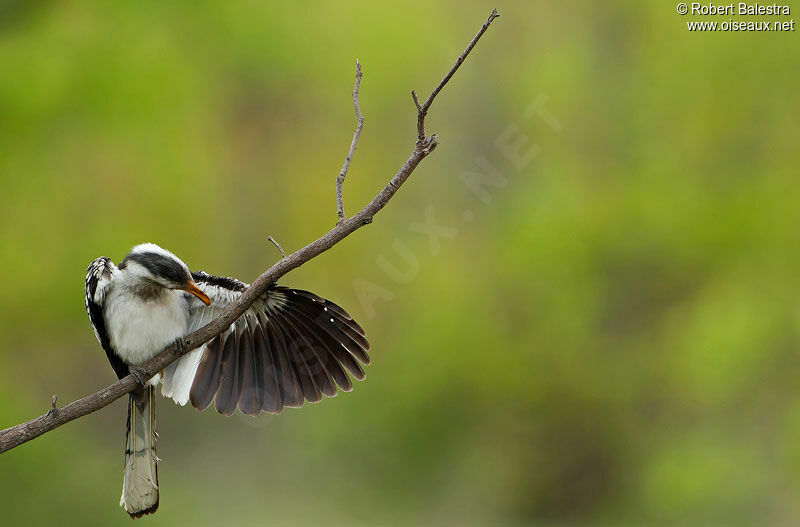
(289, 346)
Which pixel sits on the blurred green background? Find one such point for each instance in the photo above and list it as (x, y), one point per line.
(610, 337)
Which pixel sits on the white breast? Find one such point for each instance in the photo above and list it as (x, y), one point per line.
(140, 328)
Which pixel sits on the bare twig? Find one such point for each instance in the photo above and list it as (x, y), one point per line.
(21, 433)
(353, 144)
(416, 101)
(278, 245)
(53, 408)
(422, 111)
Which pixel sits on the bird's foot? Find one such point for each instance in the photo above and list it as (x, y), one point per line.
(178, 347)
(140, 374)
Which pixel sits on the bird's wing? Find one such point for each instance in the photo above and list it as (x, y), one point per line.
(290, 346)
(98, 279)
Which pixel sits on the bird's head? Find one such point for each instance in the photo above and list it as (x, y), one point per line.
(151, 264)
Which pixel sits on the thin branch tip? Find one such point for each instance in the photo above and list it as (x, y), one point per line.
(278, 245)
(423, 110)
(353, 144)
(416, 101)
(53, 407)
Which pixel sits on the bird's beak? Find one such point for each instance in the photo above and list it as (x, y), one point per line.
(199, 293)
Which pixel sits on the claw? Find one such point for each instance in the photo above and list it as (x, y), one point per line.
(141, 375)
(178, 347)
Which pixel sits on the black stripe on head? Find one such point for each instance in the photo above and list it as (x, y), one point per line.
(159, 266)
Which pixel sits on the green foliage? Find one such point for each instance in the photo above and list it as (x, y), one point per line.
(611, 340)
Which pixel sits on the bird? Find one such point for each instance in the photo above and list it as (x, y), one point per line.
(290, 346)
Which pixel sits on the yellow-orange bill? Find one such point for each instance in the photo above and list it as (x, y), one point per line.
(199, 293)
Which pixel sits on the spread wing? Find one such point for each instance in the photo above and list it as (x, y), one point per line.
(98, 279)
(290, 346)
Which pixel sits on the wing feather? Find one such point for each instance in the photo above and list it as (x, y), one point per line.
(291, 392)
(338, 358)
(98, 281)
(291, 345)
(228, 395)
(354, 341)
(206, 380)
(296, 352)
(314, 353)
(328, 325)
(341, 313)
(323, 348)
(251, 371)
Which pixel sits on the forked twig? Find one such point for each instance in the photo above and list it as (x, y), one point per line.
(353, 144)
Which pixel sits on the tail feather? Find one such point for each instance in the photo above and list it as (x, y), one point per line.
(140, 483)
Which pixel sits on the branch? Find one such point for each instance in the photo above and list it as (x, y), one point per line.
(349, 158)
(21, 433)
(422, 110)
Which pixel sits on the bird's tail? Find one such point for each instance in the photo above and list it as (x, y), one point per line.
(140, 484)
